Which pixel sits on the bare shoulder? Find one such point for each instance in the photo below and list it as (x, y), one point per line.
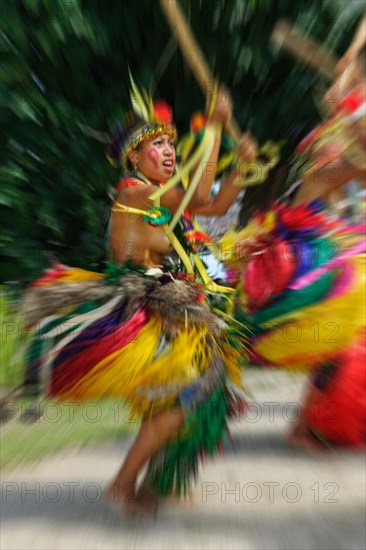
(137, 196)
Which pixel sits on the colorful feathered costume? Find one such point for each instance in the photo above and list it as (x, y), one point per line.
(300, 279)
(142, 335)
(150, 339)
(303, 281)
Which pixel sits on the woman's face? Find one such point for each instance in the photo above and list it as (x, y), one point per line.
(156, 158)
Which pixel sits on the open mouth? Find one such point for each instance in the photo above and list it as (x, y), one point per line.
(168, 166)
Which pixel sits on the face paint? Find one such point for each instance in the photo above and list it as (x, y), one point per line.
(157, 159)
(153, 155)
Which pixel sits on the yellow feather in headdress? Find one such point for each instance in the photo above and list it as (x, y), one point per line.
(149, 103)
(139, 107)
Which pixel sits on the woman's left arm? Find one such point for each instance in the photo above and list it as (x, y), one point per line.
(318, 183)
(219, 205)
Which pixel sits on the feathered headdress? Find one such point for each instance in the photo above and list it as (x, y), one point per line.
(153, 118)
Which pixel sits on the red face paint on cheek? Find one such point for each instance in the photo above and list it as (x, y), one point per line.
(153, 155)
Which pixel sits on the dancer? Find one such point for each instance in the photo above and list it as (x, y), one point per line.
(299, 271)
(139, 333)
(334, 405)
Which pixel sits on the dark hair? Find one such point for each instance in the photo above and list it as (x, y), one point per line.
(119, 136)
(297, 132)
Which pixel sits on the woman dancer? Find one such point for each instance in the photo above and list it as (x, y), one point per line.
(300, 275)
(139, 333)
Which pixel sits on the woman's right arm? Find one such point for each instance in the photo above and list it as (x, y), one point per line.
(221, 115)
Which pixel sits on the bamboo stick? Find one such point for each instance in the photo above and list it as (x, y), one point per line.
(193, 54)
(307, 50)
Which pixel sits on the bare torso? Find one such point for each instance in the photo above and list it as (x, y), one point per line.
(132, 238)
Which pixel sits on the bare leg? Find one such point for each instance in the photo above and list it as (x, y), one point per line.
(153, 434)
(301, 436)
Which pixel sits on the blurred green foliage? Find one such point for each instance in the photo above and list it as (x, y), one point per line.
(12, 334)
(64, 64)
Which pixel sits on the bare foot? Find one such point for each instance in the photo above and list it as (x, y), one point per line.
(147, 497)
(306, 442)
(126, 502)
